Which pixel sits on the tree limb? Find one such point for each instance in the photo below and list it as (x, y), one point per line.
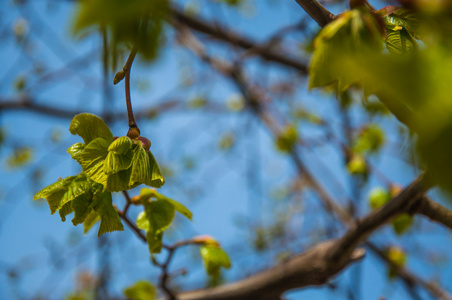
(317, 11)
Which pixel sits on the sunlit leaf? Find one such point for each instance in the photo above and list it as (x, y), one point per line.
(90, 127)
(121, 145)
(92, 160)
(75, 151)
(109, 218)
(146, 194)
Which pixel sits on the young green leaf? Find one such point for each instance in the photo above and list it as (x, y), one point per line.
(92, 160)
(141, 290)
(146, 194)
(145, 169)
(76, 150)
(55, 194)
(155, 219)
(91, 219)
(90, 127)
(214, 258)
(402, 223)
(121, 145)
(109, 218)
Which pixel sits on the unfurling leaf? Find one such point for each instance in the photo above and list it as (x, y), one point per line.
(90, 127)
(214, 259)
(118, 164)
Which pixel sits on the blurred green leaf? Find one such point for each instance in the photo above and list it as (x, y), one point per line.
(132, 22)
(141, 290)
(357, 165)
(227, 141)
(214, 258)
(378, 197)
(287, 139)
(20, 157)
(356, 33)
(370, 139)
(402, 223)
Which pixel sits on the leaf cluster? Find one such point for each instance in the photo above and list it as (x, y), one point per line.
(109, 165)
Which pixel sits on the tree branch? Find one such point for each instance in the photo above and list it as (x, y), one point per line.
(434, 211)
(228, 36)
(317, 11)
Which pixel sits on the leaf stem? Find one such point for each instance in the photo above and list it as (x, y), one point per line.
(127, 67)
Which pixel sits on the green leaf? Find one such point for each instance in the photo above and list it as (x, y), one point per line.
(92, 160)
(81, 207)
(402, 223)
(20, 157)
(287, 139)
(370, 139)
(357, 165)
(145, 169)
(155, 219)
(55, 193)
(154, 241)
(76, 150)
(138, 22)
(400, 42)
(121, 145)
(355, 34)
(146, 194)
(214, 258)
(160, 214)
(378, 197)
(142, 221)
(65, 210)
(406, 19)
(91, 219)
(109, 218)
(179, 207)
(90, 127)
(141, 290)
(60, 194)
(117, 162)
(120, 181)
